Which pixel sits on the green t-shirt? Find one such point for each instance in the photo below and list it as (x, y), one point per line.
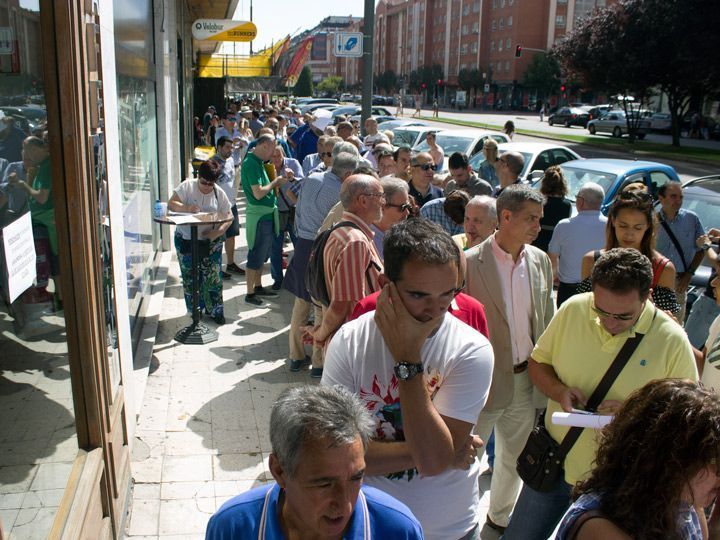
(253, 173)
(44, 214)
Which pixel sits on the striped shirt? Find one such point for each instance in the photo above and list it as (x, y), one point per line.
(435, 211)
(352, 264)
(319, 193)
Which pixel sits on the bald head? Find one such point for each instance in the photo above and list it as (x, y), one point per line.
(590, 196)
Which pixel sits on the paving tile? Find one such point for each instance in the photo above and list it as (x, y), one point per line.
(227, 441)
(191, 468)
(144, 517)
(185, 443)
(184, 516)
(51, 476)
(144, 492)
(33, 523)
(43, 498)
(187, 490)
(147, 471)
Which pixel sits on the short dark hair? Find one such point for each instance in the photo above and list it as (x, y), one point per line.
(662, 190)
(209, 170)
(229, 115)
(265, 138)
(417, 239)
(458, 160)
(623, 270)
(514, 197)
(397, 151)
(455, 204)
(222, 141)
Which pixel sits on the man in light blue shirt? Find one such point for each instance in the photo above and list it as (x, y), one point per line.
(676, 238)
(574, 237)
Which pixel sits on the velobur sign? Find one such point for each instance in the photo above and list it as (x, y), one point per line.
(348, 44)
(223, 30)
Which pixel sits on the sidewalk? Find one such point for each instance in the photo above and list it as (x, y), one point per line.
(202, 433)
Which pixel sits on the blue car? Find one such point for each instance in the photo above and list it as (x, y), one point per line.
(614, 174)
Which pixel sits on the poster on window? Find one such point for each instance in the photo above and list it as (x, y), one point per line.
(19, 251)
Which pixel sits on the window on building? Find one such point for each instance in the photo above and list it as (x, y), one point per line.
(475, 28)
(502, 3)
(476, 7)
(465, 30)
(501, 24)
(466, 9)
(560, 20)
(474, 47)
(500, 45)
(463, 49)
(494, 4)
(494, 25)
(509, 21)
(507, 65)
(507, 43)
(499, 66)
(492, 45)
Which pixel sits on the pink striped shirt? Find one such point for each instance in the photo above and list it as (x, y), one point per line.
(349, 256)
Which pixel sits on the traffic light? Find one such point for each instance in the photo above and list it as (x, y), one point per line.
(439, 82)
(424, 86)
(518, 51)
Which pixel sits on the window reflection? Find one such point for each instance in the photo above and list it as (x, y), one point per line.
(37, 426)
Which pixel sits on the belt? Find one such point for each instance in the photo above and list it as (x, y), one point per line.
(519, 368)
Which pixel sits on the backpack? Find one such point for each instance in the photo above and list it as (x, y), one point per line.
(315, 273)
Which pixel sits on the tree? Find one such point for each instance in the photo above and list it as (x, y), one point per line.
(304, 85)
(331, 85)
(543, 74)
(387, 81)
(637, 45)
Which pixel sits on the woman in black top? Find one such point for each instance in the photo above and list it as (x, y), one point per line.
(555, 189)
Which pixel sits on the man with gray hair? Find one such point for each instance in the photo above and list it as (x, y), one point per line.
(352, 264)
(508, 167)
(319, 193)
(513, 280)
(574, 237)
(397, 208)
(480, 221)
(319, 436)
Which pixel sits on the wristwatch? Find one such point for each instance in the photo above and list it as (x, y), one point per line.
(406, 371)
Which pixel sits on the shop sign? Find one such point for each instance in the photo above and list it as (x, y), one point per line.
(223, 30)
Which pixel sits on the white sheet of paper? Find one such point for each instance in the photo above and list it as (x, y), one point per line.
(20, 256)
(581, 419)
(180, 220)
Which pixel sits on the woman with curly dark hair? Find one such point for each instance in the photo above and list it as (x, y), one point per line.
(656, 467)
(557, 207)
(631, 224)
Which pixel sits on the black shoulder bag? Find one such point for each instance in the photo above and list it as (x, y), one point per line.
(675, 242)
(540, 463)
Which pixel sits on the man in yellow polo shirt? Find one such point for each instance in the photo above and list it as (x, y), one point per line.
(573, 354)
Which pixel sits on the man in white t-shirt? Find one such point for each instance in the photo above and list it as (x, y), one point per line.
(425, 377)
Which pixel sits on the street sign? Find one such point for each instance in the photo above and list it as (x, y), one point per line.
(223, 30)
(349, 44)
(486, 88)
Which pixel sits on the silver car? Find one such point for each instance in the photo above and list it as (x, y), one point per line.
(615, 123)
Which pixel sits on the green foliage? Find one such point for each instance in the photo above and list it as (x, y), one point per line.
(425, 74)
(331, 85)
(637, 45)
(304, 86)
(543, 74)
(387, 81)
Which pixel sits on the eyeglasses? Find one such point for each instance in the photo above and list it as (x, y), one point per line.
(380, 195)
(325, 154)
(605, 315)
(206, 182)
(427, 167)
(402, 207)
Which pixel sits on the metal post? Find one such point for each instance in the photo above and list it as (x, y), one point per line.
(251, 21)
(368, 38)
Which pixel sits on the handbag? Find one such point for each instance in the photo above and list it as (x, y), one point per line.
(541, 461)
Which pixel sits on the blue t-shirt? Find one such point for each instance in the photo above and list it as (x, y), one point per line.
(377, 516)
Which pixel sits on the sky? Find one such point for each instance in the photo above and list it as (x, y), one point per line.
(275, 19)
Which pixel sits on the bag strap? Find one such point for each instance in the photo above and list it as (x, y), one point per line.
(674, 240)
(602, 388)
(658, 268)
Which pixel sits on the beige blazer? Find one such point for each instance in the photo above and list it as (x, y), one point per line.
(483, 283)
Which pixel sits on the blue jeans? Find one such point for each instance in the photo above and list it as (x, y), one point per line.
(263, 242)
(276, 270)
(490, 449)
(537, 514)
(702, 314)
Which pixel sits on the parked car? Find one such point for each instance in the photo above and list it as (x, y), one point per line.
(352, 110)
(538, 157)
(411, 135)
(569, 116)
(597, 111)
(615, 123)
(614, 174)
(702, 196)
(660, 122)
(467, 141)
(392, 124)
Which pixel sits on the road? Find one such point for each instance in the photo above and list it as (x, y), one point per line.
(686, 170)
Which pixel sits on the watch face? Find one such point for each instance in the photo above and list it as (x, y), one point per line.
(403, 372)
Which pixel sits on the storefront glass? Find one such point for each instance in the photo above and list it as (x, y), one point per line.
(38, 440)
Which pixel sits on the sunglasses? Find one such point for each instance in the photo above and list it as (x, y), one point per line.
(206, 182)
(426, 167)
(401, 207)
(605, 315)
(325, 154)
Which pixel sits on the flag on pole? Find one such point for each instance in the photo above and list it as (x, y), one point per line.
(298, 61)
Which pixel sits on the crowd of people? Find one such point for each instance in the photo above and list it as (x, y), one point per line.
(457, 308)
